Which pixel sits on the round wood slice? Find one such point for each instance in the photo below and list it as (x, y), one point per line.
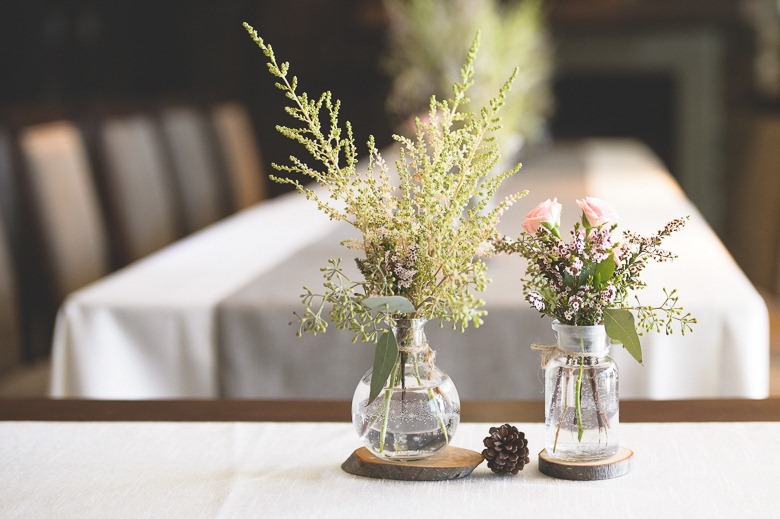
(449, 463)
(608, 468)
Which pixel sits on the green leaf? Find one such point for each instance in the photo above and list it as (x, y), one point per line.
(620, 327)
(604, 271)
(587, 273)
(384, 359)
(389, 304)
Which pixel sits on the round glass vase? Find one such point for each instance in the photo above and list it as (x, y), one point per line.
(418, 410)
(581, 395)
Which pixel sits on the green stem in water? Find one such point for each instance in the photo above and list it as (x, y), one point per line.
(565, 407)
(578, 392)
(432, 398)
(386, 411)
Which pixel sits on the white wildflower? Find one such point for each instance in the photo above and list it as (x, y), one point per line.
(575, 268)
(484, 249)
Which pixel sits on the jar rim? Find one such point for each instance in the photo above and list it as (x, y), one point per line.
(557, 325)
(414, 321)
(592, 338)
(415, 341)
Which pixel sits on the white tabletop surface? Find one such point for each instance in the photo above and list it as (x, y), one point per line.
(280, 470)
(208, 316)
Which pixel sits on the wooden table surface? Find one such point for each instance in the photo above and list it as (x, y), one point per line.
(339, 411)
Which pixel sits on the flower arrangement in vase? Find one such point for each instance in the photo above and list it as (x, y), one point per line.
(585, 285)
(420, 249)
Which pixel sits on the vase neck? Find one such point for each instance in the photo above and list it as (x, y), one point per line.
(582, 339)
(410, 335)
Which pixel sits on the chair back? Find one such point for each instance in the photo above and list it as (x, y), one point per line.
(196, 165)
(65, 205)
(239, 148)
(139, 186)
(10, 335)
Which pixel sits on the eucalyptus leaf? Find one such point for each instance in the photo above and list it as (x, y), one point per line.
(389, 304)
(385, 357)
(620, 327)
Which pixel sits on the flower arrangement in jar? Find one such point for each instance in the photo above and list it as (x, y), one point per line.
(586, 285)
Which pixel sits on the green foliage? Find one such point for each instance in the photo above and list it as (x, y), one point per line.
(426, 45)
(385, 358)
(389, 304)
(421, 236)
(588, 280)
(664, 316)
(619, 324)
(602, 273)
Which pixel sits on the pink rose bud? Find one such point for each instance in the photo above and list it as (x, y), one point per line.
(548, 212)
(597, 211)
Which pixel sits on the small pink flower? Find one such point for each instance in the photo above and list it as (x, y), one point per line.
(548, 211)
(597, 211)
(619, 253)
(575, 267)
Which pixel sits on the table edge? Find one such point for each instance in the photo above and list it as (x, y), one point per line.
(39, 409)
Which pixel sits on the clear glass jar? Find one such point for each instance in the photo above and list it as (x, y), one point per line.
(581, 395)
(418, 411)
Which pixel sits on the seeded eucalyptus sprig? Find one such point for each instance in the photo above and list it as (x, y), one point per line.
(422, 237)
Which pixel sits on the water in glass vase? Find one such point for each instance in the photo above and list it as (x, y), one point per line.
(581, 395)
(417, 411)
(413, 423)
(593, 434)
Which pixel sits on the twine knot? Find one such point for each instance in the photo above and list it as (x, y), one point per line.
(549, 352)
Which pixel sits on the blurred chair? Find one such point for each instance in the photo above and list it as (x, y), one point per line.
(64, 205)
(10, 337)
(139, 188)
(10, 352)
(19, 377)
(239, 149)
(195, 159)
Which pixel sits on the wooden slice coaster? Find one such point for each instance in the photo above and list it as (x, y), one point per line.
(608, 468)
(449, 463)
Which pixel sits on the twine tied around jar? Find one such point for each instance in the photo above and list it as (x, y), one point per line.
(423, 348)
(549, 352)
(428, 353)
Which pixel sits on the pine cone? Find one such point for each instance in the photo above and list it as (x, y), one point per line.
(507, 449)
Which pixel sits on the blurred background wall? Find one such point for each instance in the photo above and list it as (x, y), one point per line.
(68, 56)
(680, 76)
(623, 67)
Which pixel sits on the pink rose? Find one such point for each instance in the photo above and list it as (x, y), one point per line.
(548, 211)
(597, 211)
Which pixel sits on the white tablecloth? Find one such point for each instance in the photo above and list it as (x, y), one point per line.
(208, 317)
(280, 470)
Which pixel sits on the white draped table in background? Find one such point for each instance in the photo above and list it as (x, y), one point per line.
(208, 316)
(284, 470)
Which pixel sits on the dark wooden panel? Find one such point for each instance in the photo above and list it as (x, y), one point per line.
(339, 411)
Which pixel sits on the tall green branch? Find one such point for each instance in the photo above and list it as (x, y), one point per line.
(422, 239)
